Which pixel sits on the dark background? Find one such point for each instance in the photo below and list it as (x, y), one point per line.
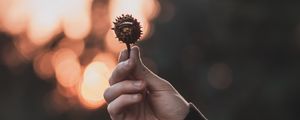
(256, 45)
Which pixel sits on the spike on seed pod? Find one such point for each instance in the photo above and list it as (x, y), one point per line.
(127, 29)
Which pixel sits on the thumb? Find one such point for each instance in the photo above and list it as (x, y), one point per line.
(153, 81)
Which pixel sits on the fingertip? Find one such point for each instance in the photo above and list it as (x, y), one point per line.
(135, 53)
(129, 87)
(135, 49)
(106, 95)
(123, 55)
(119, 104)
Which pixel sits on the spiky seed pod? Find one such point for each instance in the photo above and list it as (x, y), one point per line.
(128, 30)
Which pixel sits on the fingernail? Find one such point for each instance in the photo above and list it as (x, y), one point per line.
(137, 83)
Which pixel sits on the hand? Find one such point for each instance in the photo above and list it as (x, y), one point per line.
(136, 93)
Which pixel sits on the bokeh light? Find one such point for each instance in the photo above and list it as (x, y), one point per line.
(66, 66)
(42, 67)
(94, 83)
(70, 42)
(43, 19)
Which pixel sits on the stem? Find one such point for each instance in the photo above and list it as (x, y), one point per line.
(128, 49)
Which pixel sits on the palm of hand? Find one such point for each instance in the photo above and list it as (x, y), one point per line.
(161, 105)
(154, 98)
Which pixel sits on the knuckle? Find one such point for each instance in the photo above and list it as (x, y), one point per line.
(129, 86)
(124, 98)
(106, 94)
(110, 109)
(130, 64)
(126, 67)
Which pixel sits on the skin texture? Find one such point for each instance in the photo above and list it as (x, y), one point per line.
(136, 93)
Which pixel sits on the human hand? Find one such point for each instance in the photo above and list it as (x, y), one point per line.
(136, 93)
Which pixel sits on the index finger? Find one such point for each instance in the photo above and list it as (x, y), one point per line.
(121, 71)
(125, 66)
(123, 55)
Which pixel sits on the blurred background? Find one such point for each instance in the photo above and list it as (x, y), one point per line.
(234, 59)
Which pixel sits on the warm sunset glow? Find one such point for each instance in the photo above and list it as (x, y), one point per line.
(14, 16)
(42, 67)
(77, 46)
(76, 18)
(112, 43)
(95, 81)
(71, 41)
(67, 68)
(108, 59)
(43, 19)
